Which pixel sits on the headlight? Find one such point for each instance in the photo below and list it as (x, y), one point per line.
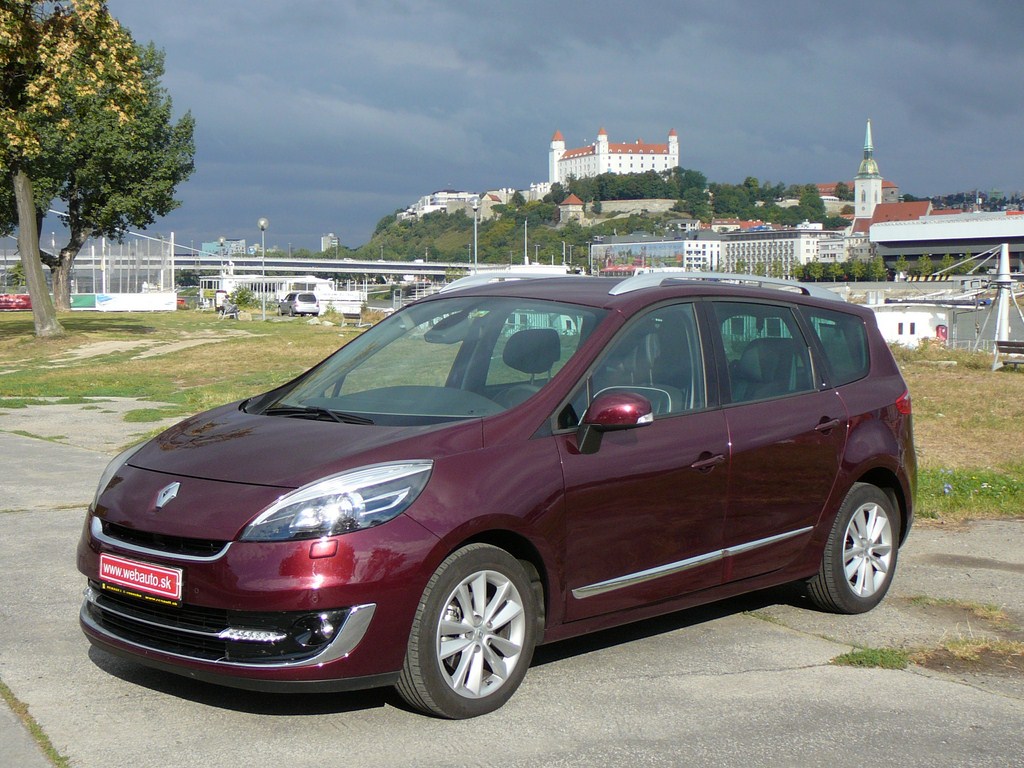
(115, 464)
(348, 501)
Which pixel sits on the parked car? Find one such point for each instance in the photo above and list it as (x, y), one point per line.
(503, 465)
(299, 303)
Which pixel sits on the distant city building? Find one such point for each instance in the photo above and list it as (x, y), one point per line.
(958, 234)
(229, 248)
(442, 200)
(329, 242)
(698, 251)
(608, 157)
(735, 225)
(771, 252)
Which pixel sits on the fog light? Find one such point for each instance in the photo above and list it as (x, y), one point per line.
(312, 631)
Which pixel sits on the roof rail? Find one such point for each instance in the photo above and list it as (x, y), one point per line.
(484, 278)
(655, 279)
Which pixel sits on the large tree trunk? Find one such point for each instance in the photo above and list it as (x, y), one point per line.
(43, 313)
(60, 270)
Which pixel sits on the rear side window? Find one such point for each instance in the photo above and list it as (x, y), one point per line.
(845, 341)
(767, 354)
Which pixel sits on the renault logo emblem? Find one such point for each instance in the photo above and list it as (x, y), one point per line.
(166, 494)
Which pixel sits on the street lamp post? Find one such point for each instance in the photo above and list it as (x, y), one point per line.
(263, 224)
(476, 207)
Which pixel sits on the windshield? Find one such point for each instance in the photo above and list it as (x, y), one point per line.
(456, 358)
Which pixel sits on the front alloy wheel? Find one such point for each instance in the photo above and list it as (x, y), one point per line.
(860, 556)
(473, 635)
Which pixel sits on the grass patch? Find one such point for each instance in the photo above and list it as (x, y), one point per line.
(239, 360)
(25, 402)
(51, 438)
(958, 494)
(993, 614)
(929, 353)
(20, 710)
(144, 415)
(997, 657)
(880, 658)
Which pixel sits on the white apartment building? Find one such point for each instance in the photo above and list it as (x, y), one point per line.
(772, 252)
(329, 242)
(608, 157)
(438, 201)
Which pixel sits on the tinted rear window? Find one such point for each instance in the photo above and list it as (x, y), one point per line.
(766, 352)
(845, 341)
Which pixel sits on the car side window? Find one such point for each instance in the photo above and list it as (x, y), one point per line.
(766, 353)
(657, 356)
(844, 340)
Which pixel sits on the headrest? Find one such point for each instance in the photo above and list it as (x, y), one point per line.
(763, 359)
(532, 351)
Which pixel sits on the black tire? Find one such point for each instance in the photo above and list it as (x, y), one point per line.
(480, 663)
(860, 555)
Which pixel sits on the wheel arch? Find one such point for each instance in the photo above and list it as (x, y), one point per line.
(886, 481)
(523, 550)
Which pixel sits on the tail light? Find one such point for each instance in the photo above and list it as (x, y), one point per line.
(903, 403)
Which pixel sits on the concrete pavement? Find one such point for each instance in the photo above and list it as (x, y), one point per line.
(742, 683)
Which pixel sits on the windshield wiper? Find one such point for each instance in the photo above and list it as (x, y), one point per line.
(316, 412)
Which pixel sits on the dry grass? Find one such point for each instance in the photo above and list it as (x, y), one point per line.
(992, 657)
(966, 417)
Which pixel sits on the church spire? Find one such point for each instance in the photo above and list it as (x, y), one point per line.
(868, 166)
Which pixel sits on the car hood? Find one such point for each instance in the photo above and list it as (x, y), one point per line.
(230, 445)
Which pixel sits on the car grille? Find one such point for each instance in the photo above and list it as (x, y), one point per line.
(171, 545)
(192, 631)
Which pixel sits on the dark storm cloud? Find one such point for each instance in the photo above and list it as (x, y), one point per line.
(325, 116)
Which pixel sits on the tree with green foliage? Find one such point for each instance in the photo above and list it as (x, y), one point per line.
(50, 53)
(856, 269)
(843, 191)
(924, 266)
(112, 176)
(14, 277)
(811, 206)
(876, 270)
(901, 265)
(814, 270)
(835, 271)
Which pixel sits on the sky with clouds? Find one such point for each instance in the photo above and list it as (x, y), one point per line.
(325, 116)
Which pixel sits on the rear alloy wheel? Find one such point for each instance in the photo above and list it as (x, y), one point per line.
(473, 636)
(860, 556)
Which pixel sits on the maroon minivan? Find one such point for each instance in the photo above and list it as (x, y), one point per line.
(504, 464)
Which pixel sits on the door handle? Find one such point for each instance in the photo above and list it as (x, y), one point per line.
(827, 426)
(708, 462)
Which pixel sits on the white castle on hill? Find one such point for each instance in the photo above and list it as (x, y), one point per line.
(606, 157)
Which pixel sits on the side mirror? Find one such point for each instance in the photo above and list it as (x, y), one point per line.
(609, 412)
